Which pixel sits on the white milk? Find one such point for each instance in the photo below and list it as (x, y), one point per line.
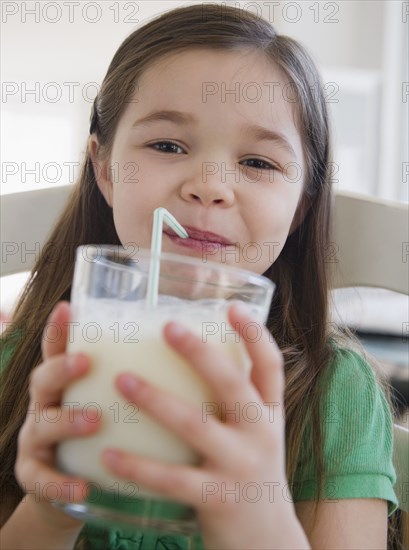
(125, 337)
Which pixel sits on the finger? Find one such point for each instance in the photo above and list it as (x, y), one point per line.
(200, 428)
(267, 373)
(50, 485)
(55, 333)
(49, 379)
(178, 483)
(228, 382)
(56, 424)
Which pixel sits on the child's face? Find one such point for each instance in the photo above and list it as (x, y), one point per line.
(214, 175)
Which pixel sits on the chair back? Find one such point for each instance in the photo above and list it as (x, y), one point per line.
(26, 220)
(371, 243)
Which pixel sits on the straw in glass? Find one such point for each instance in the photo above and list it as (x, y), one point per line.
(160, 215)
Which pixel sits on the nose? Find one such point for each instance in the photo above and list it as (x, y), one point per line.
(211, 185)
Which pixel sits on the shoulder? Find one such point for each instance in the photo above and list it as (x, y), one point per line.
(352, 394)
(347, 362)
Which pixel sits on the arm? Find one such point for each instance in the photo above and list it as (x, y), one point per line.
(30, 528)
(350, 524)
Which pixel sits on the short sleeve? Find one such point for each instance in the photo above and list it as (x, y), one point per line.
(357, 437)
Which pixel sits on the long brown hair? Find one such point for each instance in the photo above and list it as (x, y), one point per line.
(298, 318)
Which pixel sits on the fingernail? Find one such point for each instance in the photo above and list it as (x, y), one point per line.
(92, 413)
(76, 362)
(128, 383)
(176, 330)
(80, 423)
(112, 457)
(243, 309)
(71, 363)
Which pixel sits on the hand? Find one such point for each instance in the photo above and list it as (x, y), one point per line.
(243, 460)
(47, 423)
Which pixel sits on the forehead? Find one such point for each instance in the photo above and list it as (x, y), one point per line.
(244, 81)
(219, 63)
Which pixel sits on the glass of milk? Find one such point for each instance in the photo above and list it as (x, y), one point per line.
(115, 326)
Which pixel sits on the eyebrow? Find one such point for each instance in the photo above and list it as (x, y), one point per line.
(259, 133)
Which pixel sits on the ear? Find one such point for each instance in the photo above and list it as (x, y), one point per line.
(300, 213)
(101, 169)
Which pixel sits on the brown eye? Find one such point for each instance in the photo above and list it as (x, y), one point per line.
(166, 147)
(260, 164)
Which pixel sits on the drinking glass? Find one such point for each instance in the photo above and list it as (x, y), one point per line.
(113, 323)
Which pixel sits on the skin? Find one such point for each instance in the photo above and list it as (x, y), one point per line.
(263, 211)
(253, 206)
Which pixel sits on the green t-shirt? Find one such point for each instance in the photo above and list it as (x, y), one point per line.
(358, 447)
(358, 437)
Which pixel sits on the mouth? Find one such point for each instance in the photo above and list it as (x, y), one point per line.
(198, 239)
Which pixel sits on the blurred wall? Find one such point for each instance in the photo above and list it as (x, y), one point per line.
(54, 56)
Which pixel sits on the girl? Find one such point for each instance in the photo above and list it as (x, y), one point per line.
(209, 113)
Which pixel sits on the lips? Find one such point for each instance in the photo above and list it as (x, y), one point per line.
(199, 235)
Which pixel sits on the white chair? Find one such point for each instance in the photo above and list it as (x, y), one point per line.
(370, 249)
(26, 219)
(371, 244)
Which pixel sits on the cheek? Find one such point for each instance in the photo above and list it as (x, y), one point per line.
(126, 212)
(273, 222)
(271, 226)
(122, 223)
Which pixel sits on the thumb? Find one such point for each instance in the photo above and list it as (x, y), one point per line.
(55, 333)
